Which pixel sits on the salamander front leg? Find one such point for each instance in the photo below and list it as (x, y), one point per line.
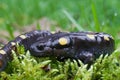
(86, 57)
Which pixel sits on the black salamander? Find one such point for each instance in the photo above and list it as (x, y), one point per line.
(86, 46)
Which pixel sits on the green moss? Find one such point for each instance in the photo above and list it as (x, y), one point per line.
(27, 67)
(95, 15)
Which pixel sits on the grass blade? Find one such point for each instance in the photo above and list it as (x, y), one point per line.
(97, 25)
(73, 20)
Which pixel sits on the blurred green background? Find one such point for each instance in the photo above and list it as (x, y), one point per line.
(70, 15)
(20, 16)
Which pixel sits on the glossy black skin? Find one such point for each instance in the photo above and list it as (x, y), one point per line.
(45, 44)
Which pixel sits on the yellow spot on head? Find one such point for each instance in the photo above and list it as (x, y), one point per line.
(13, 43)
(63, 41)
(106, 38)
(91, 36)
(22, 36)
(2, 52)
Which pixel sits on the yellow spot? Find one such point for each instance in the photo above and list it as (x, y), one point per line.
(53, 32)
(22, 36)
(106, 38)
(13, 43)
(63, 41)
(2, 52)
(112, 37)
(91, 36)
(67, 31)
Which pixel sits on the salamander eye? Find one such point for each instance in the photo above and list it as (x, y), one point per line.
(40, 46)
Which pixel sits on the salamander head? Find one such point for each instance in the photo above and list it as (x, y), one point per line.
(47, 47)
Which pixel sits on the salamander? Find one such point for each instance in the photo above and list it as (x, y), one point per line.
(85, 46)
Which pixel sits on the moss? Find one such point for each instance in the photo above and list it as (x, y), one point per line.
(27, 67)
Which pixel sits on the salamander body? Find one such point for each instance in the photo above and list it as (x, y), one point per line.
(86, 46)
